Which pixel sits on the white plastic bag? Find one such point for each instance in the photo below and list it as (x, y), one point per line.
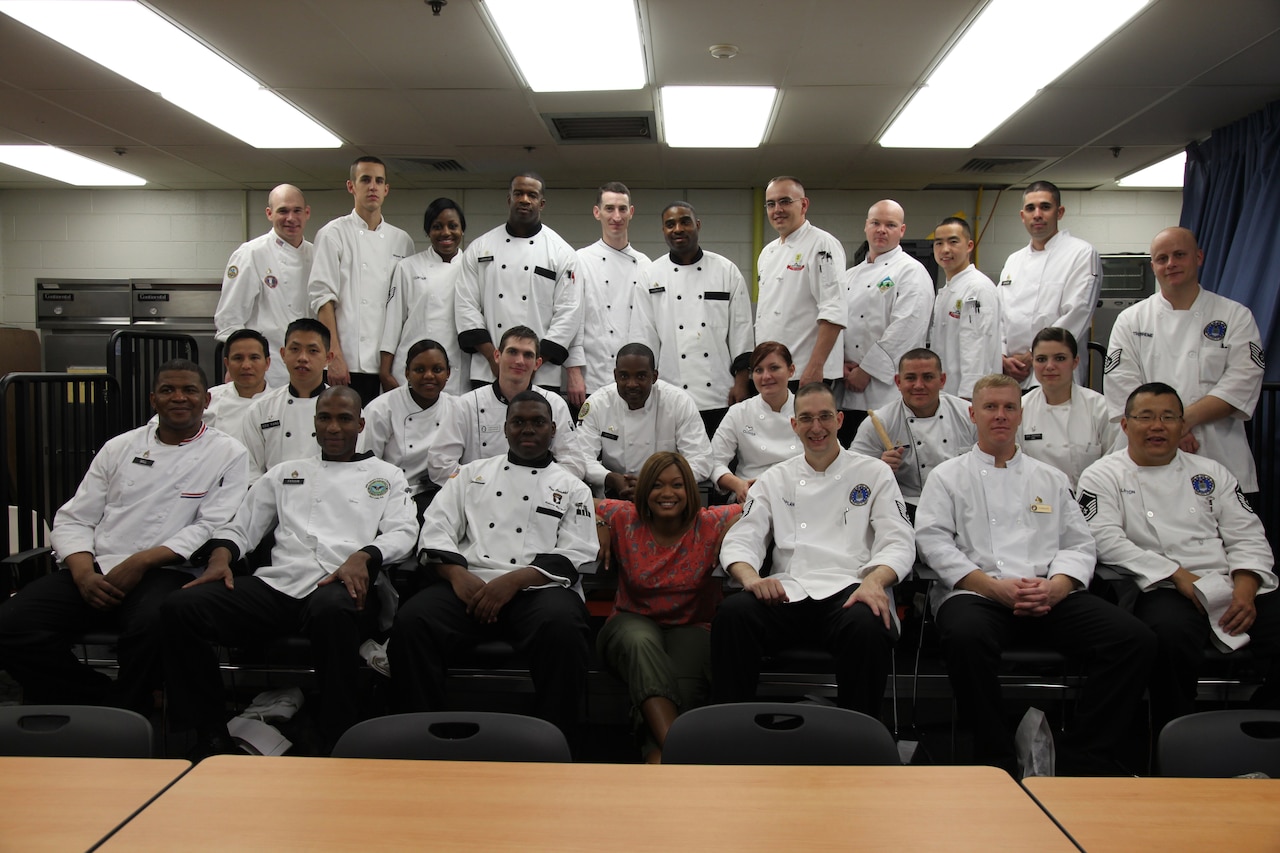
(1034, 745)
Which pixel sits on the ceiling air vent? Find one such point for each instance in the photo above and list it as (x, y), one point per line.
(411, 165)
(601, 128)
(1006, 165)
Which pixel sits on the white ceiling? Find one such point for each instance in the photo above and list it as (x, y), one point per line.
(394, 81)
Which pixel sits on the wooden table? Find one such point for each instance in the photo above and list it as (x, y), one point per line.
(1164, 814)
(73, 803)
(283, 803)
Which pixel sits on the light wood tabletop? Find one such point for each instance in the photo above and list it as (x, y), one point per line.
(73, 803)
(1164, 814)
(283, 803)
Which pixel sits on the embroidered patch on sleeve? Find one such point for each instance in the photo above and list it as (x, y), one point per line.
(1255, 353)
(1113, 360)
(1088, 504)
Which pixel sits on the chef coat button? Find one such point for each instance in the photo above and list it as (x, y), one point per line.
(763, 447)
(288, 402)
(1193, 509)
(411, 447)
(526, 269)
(993, 521)
(504, 266)
(288, 435)
(918, 443)
(491, 524)
(519, 530)
(497, 494)
(911, 420)
(793, 447)
(803, 525)
(524, 298)
(1150, 514)
(761, 417)
(686, 387)
(802, 482)
(706, 355)
(999, 562)
(708, 384)
(484, 444)
(681, 326)
(837, 476)
(505, 468)
(683, 355)
(984, 473)
(526, 497)
(313, 435)
(513, 560)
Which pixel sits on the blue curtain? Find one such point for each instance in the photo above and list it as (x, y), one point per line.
(1231, 200)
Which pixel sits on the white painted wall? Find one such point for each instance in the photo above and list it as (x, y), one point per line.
(151, 233)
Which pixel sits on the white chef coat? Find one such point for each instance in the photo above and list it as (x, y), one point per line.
(758, 435)
(326, 511)
(1213, 349)
(476, 429)
(1070, 436)
(498, 515)
(279, 425)
(1190, 513)
(799, 284)
(265, 289)
(608, 277)
(973, 515)
(227, 409)
(966, 330)
(612, 437)
(1054, 287)
(697, 320)
(140, 493)
(352, 269)
(397, 430)
(829, 528)
(510, 281)
(926, 442)
(420, 307)
(888, 303)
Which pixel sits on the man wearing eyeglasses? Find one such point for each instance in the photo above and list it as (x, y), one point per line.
(841, 540)
(1014, 558)
(1205, 345)
(889, 297)
(1180, 526)
(800, 302)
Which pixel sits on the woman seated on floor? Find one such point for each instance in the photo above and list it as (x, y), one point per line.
(665, 547)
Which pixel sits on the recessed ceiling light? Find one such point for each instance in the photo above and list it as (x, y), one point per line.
(138, 44)
(572, 45)
(1166, 173)
(1009, 53)
(716, 116)
(66, 167)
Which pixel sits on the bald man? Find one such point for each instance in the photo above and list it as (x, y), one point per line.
(1205, 345)
(265, 285)
(889, 297)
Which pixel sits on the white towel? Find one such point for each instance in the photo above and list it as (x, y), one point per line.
(1214, 592)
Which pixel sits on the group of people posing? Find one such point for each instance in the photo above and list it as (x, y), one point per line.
(495, 416)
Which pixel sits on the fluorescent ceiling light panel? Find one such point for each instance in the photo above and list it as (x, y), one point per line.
(1166, 173)
(136, 43)
(1011, 51)
(716, 116)
(572, 45)
(66, 167)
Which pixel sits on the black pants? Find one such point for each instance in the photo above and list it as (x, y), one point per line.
(744, 630)
(367, 385)
(549, 625)
(39, 625)
(1116, 649)
(196, 619)
(711, 419)
(1183, 632)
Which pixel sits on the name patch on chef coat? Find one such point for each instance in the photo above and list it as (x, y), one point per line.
(484, 259)
(716, 295)
(269, 425)
(1203, 485)
(657, 290)
(611, 435)
(860, 495)
(1216, 330)
(377, 487)
(544, 272)
(142, 460)
(1033, 436)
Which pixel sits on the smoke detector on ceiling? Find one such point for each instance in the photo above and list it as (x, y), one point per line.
(723, 51)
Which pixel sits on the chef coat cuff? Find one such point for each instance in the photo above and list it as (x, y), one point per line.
(435, 555)
(472, 339)
(556, 567)
(203, 554)
(553, 352)
(375, 560)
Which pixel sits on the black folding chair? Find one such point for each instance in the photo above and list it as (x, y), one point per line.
(52, 425)
(76, 731)
(454, 736)
(133, 358)
(778, 733)
(1221, 743)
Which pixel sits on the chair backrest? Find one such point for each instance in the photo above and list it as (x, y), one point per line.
(133, 357)
(51, 426)
(777, 733)
(450, 736)
(1217, 744)
(79, 731)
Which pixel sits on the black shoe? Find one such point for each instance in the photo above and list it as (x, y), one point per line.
(220, 744)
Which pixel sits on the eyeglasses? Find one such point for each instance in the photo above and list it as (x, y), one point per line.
(1146, 419)
(822, 418)
(784, 203)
